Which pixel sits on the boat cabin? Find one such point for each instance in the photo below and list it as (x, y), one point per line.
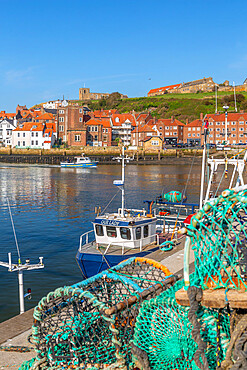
(135, 229)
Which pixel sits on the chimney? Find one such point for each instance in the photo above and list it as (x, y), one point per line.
(201, 116)
(172, 118)
(187, 121)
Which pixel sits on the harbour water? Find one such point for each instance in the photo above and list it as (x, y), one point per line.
(53, 206)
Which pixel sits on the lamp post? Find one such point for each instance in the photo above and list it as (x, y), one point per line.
(225, 107)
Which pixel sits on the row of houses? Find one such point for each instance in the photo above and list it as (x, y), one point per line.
(78, 126)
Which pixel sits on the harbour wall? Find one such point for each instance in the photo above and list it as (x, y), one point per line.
(54, 157)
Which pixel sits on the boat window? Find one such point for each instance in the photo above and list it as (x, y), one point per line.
(111, 231)
(125, 233)
(99, 230)
(145, 231)
(138, 232)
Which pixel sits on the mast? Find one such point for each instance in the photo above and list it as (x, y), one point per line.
(122, 188)
(203, 163)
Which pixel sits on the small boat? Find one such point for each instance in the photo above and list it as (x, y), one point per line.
(81, 161)
(117, 236)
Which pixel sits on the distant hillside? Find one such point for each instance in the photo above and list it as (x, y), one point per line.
(181, 106)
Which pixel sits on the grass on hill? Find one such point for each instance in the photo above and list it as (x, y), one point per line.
(181, 106)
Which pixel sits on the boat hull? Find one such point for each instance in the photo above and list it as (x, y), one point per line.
(79, 165)
(91, 264)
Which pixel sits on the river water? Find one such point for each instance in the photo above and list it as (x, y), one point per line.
(53, 206)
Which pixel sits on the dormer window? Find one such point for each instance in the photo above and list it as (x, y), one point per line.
(117, 119)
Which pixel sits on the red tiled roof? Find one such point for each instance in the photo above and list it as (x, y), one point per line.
(165, 88)
(46, 116)
(30, 126)
(145, 128)
(230, 117)
(104, 113)
(151, 137)
(105, 122)
(168, 121)
(122, 118)
(195, 123)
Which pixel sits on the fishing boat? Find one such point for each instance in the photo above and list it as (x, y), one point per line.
(81, 161)
(117, 236)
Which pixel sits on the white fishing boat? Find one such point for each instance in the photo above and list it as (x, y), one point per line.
(78, 162)
(117, 236)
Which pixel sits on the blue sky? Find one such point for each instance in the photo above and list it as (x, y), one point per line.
(52, 48)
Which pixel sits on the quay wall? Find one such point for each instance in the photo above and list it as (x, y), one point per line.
(102, 155)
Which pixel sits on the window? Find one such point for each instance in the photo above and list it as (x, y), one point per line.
(189, 135)
(32, 133)
(61, 111)
(80, 119)
(241, 135)
(241, 129)
(193, 129)
(175, 133)
(99, 230)
(89, 128)
(218, 129)
(233, 129)
(198, 135)
(125, 233)
(37, 143)
(19, 143)
(18, 134)
(103, 130)
(154, 142)
(61, 119)
(217, 135)
(217, 123)
(175, 128)
(37, 134)
(233, 123)
(61, 127)
(138, 232)
(198, 128)
(92, 128)
(24, 134)
(96, 128)
(233, 135)
(106, 130)
(189, 128)
(167, 127)
(211, 123)
(96, 137)
(32, 142)
(241, 122)
(193, 135)
(145, 231)
(24, 143)
(80, 110)
(77, 137)
(111, 231)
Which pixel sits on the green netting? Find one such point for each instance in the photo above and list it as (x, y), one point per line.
(91, 323)
(218, 237)
(163, 332)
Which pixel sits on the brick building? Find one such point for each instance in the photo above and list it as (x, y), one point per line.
(193, 133)
(71, 125)
(204, 84)
(85, 94)
(171, 130)
(236, 128)
(99, 132)
(141, 133)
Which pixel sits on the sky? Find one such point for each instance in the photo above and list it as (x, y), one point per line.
(49, 49)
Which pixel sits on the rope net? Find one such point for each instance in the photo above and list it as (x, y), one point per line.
(218, 237)
(164, 333)
(91, 323)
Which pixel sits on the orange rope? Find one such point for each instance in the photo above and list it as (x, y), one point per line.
(154, 263)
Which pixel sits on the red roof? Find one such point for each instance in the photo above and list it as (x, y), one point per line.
(230, 117)
(165, 88)
(30, 126)
(195, 123)
(105, 122)
(169, 122)
(145, 128)
(104, 113)
(46, 116)
(121, 118)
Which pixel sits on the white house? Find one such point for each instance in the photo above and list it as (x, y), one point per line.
(34, 135)
(56, 104)
(6, 127)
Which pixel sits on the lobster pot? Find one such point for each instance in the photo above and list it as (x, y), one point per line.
(91, 323)
(145, 272)
(218, 234)
(163, 339)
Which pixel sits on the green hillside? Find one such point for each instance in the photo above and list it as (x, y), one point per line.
(181, 106)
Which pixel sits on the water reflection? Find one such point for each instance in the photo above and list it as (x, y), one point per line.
(52, 207)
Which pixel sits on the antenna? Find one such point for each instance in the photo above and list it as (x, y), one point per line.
(235, 97)
(19, 267)
(120, 183)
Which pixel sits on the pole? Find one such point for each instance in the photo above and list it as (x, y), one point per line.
(203, 166)
(122, 181)
(226, 127)
(21, 291)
